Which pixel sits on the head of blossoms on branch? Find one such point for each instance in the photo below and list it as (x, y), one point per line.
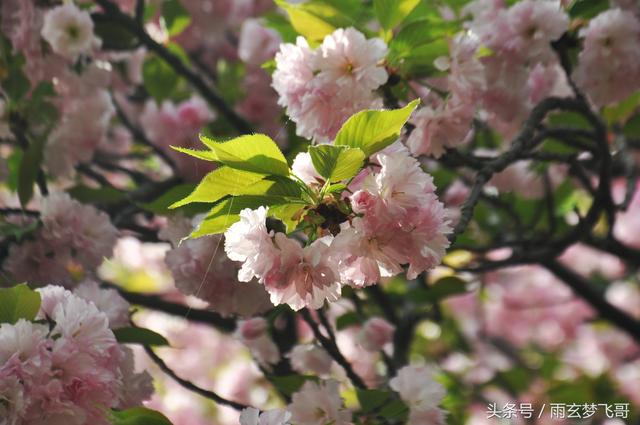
(71, 370)
(352, 211)
(73, 240)
(322, 88)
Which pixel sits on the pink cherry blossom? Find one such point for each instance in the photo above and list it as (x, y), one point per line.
(609, 66)
(252, 416)
(535, 25)
(440, 128)
(318, 404)
(293, 72)
(254, 334)
(178, 125)
(82, 128)
(74, 239)
(304, 277)
(417, 387)
(107, 301)
(68, 372)
(257, 44)
(307, 358)
(322, 88)
(529, 297)
(348, 58)
(303, 168)
(375, 334)
(69, 30)
(249, 241)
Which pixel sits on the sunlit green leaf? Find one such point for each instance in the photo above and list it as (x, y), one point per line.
(18, 302)
(256, 153)
(336, 163)
(374, 130)
(219, 183)
(392, 12)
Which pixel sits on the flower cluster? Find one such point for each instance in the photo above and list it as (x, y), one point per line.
(321, 88)
(69, 369)
(609, 64)
(396, 220)
(72, 242)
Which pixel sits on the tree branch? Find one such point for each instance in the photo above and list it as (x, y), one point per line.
(583, 289)
(331, 348)
(190, 385)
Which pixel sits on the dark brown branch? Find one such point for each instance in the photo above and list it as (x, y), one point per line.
(190, 385)
(583, 289)
(331, 348)
(154, 302)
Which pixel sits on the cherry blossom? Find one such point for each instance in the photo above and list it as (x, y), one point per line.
(321, 88)
(253, 333)
(375, 334)
(418, 388)
(200, 268)
(608, 66)
(252, 416)
(69, 30)
(310, 358)
(69, 372)
(318, 404)
(74, 239)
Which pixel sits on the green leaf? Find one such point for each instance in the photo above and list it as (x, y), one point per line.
(337, 187)
(371, 399)
(336, 163)
(18, 302)
(17, 232)
(227, 212)
(159, 78)
(14, 82)
(419, 33)
(392, 12)
(307, 23)
(176, 17)
(138, 416)
(374, 130)
(587, 9)
(219, 183)
(288, 214)
(161, 204)
(394, 410)
(316, 19)
(29, 169)
(620, 112)
(256, 152)
(348, 319)
(139, 336)
(289, 384)
(446, 287)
